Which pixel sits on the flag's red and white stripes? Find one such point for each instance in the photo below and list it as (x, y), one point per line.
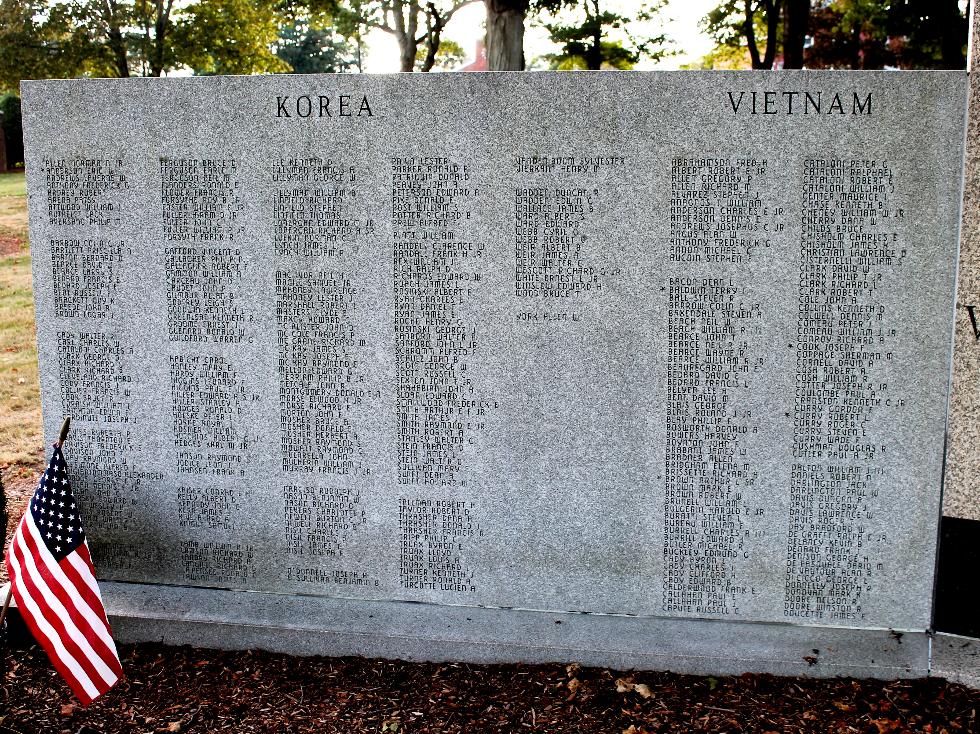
(61, 604)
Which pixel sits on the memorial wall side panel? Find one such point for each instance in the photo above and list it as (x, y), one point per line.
(961, 496)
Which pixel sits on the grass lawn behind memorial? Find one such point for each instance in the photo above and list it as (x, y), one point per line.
(20, 417)
(12, 184)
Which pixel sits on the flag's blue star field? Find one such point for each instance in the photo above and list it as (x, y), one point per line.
(54, 510)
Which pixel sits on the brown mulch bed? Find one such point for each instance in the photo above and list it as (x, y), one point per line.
(193, 690)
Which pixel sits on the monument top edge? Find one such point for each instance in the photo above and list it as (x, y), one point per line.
(606, 73)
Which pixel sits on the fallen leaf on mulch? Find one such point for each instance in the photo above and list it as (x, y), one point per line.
(643, 689)
(626, 685)
(886, 725)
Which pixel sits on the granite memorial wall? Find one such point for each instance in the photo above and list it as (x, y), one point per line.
(656, 357)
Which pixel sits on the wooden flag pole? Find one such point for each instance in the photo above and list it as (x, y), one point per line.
(62, 435)
(6, 606)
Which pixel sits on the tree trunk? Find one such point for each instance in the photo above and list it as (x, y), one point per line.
(118, 46)
(593, 56)
(431, 47)
(407, 48)
(117, 43)
(749, 30)
(955, 31)
(771, 8)
(433, 36)
(505, 34)
(156, 63)
(772, 32)
(160, 28)
(3, 167)
(797, 20)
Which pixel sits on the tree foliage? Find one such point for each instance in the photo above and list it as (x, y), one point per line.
(67, 38)
(309, 47)
(417, 25)
(229, 37)
(449, 56)
(933, 33)
(581, 28)
(751, 24)
(853, 34)
(871, 34)
(38, 42)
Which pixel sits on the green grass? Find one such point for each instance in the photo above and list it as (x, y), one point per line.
(12, 184)
(20, 394)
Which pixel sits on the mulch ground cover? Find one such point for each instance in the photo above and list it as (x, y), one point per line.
(193, 690)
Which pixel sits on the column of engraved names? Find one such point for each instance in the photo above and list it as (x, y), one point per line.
(209, 405)
(202, 224)
(214, 516)
(87, 273)
(86, 204)
(320, 523)
(709, 373)
(717, 213)
(93, 363)
(115, 492)
(849, 248)
(321, 383)
(314, 208)
(86, 193)
(436, 273)
(96, 378)
(201, 208)
(435, 536)
(553, 224)
(317, 227)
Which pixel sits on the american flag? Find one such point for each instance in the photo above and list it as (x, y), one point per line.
(53, 581)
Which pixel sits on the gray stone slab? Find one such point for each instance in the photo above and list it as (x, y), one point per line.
(652, 344)
(961, 497)
(336, 627)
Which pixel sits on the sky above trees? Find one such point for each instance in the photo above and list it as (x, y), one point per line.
(679, 21)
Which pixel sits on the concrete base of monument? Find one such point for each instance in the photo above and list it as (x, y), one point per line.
(303, 625)
(956, 659)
